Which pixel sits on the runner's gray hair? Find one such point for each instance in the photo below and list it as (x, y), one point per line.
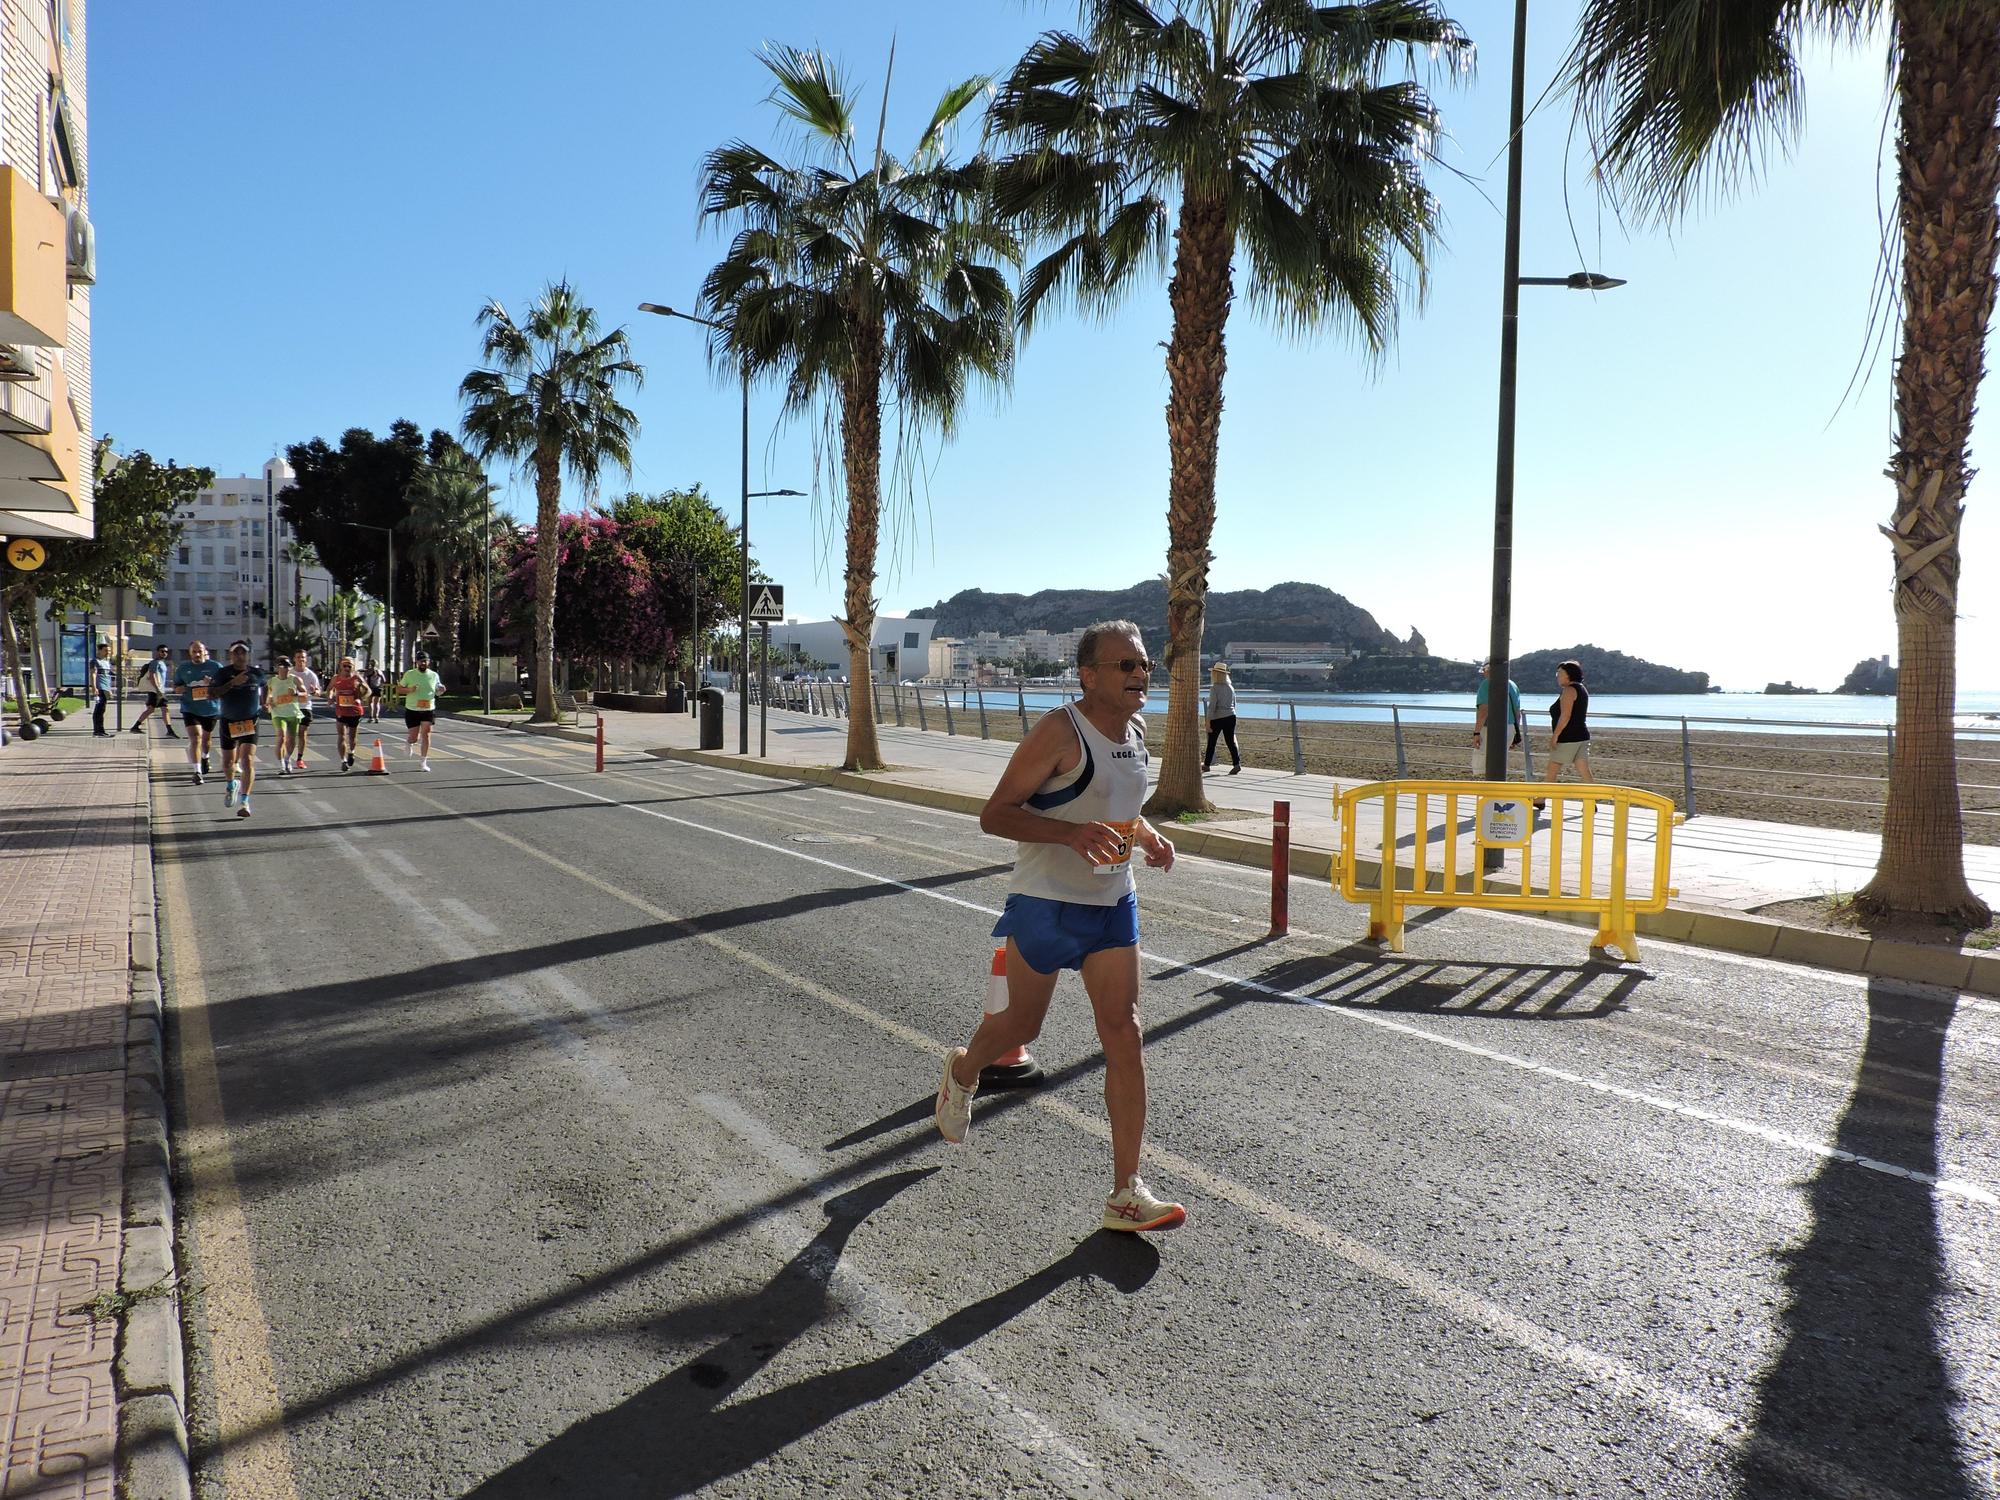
(1086, 644)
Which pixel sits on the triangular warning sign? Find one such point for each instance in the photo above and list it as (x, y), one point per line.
(766, 606)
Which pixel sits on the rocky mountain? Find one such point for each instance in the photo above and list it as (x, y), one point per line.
(1284, 612)
(1605, 671)
(1874, 675)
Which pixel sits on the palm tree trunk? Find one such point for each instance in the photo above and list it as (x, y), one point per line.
(452, 607)
(1200, 297)
(861, 454)
(1948, 87)
(548, 497)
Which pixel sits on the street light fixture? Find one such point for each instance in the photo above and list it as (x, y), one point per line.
(389, 602)
(743, 696)
(1503, 482)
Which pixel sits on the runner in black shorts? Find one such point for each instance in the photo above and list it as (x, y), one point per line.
(240, 688)
(419, 691)
(349, 695)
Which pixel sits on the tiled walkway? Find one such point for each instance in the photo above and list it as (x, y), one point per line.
(73, 838)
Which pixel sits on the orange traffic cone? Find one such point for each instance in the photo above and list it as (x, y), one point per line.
(379, 766)
(1013, 1070)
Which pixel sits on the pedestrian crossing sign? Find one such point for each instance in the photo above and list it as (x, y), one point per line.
(767, 602)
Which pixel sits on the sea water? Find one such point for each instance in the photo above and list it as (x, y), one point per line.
(1750, 713)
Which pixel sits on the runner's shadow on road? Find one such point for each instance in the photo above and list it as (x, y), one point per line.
(677, 1436)
(1860, 1383)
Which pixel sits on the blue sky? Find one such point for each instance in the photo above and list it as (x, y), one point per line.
(301, 209)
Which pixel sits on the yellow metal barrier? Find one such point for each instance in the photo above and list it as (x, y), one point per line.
(1501, 818)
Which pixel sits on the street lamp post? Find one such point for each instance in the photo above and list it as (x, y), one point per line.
(486, 593)
(389, 601)
(743, 694)
(1503, 480)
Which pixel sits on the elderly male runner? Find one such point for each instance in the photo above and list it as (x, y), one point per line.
(1071, 797)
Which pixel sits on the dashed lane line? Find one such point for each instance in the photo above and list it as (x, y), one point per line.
(1434, 1291)
(1953, 1187)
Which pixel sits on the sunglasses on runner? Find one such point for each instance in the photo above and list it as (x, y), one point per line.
(1125, 664)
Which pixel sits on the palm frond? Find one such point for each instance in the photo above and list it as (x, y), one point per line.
(1681, 99)
(810, 93)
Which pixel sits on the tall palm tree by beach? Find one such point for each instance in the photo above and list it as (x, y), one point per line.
(449, 501)
(855, 276)
(548, 398)
(1680, 97)
(1265, 132)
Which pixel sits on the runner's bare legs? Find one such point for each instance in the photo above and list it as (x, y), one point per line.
(1111, 979)
(1028, 995)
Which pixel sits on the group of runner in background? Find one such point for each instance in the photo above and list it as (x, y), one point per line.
(237, 699)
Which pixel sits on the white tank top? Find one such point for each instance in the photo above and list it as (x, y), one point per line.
(1108, 785)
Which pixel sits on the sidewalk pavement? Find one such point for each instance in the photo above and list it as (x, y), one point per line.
(91, 1384)
(1724, 869)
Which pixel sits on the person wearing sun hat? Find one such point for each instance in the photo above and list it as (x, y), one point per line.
(1222, 717)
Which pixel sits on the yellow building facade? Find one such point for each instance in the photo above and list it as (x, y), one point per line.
(47, 266)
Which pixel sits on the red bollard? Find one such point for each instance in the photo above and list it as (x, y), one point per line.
(1281, 868)
(600, 742)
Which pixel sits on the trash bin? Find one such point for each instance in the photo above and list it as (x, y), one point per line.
(676, 698)
(711, 718)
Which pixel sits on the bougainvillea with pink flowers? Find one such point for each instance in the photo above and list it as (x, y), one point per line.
(611, 602)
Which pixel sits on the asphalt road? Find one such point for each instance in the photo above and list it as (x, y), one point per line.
(547, 1133)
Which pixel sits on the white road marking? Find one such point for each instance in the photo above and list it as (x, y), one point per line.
(397, 863)
(1420, 1284)
(466, 916)
(1021, 1425)
(1953, 1187)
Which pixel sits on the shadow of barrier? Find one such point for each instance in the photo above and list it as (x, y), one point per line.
(1584, 846)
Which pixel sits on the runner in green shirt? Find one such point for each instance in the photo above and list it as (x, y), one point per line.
(419, 689)
(287, 697)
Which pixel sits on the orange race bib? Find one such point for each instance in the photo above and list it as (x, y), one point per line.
(1122, 861)
(345, 701)
(421, 705)
(200, 692)
(242, 728)
(284, 698)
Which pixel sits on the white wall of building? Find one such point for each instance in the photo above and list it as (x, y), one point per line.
(901, 646)
(227, 579)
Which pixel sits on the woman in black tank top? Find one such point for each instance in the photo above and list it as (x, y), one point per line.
(1569, 725)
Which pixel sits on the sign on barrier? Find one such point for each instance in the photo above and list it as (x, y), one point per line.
(1577, 857)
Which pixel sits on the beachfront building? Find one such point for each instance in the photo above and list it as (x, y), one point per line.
(901, 648)
(51, 263)
(1284, 653)
(228, 578)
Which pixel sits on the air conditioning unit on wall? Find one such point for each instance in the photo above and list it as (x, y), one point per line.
(82, 249)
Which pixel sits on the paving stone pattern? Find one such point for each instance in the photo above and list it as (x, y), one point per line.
(73, 838)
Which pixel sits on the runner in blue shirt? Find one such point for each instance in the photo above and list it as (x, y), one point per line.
(240, 690)
(199, 709)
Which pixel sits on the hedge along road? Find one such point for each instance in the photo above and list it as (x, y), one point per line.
(582, 1146)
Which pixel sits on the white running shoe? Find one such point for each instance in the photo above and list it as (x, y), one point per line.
(229, 795)
(426, 764)
(1134, 1207)
(409, 749)
(954, 1102)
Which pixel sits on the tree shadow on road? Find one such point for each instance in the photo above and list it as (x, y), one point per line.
(677, 1435)
(1859, 1397)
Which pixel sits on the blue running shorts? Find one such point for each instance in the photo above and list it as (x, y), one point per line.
(1056, 935)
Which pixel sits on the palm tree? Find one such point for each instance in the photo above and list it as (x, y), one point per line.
(449, 503)
(852, 276)
(549, 400)
(1262, 129)
(301, 556)
(1681, 95)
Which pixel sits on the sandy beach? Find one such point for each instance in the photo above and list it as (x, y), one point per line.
(1825, 781)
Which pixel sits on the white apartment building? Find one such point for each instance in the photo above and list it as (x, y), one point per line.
(901, 647)
(227, 578)
(49, 265)
(1275, 653)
